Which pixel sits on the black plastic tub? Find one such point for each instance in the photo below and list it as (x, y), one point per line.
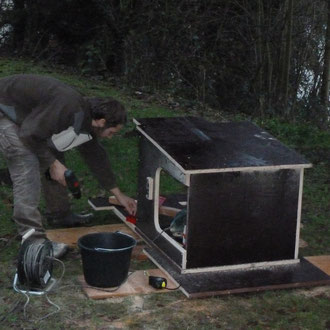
(106, 258)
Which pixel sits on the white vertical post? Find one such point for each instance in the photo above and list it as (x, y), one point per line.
(301, 183)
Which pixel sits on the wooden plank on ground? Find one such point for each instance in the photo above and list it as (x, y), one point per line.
(322, 262)
(137, 283)
(70, 236)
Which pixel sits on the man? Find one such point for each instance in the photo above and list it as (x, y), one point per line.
(40, 118)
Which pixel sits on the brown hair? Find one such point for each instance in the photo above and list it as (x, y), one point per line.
(109, 109)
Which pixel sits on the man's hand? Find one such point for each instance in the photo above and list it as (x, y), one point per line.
(128, 202)
(56, 171)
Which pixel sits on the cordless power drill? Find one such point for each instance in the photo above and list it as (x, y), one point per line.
(71, 182)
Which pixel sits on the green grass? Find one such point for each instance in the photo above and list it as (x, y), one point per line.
(314, 144)
(285, 309)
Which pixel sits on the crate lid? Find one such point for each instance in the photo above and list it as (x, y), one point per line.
(197, 145)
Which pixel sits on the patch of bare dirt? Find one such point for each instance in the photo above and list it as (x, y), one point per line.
(316, 292)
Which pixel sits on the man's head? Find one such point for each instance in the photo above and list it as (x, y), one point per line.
(108, 116)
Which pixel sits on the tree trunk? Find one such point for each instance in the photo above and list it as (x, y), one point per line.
(269, 76)
(326, 69)
(287, 57)
(260, 64)
(19, 24)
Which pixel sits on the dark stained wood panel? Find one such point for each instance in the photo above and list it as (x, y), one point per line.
(206, 284)
(150, 158)
(197, 144)
(242, 217)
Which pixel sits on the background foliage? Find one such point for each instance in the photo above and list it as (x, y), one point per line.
(261, 57)
(282, 309)
(262, 60)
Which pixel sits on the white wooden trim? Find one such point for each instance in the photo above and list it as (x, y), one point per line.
(248, 169)
(249, 266)
(156, 200)
(161, 149)
(184, 260)
(301, 184)
(120, 215)
(187, 178)
(135, 121)
(156, 214)
(100, 208)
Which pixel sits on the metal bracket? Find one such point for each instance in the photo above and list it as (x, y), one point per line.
(150, 188)
(50, 285)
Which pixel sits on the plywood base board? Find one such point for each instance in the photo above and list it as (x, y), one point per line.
(322, 262)
(137, 283)
(199, 285)
(70, 236)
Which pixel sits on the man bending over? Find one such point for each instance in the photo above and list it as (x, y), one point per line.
(40, 118)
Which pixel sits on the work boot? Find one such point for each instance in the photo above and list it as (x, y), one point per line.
(68, 219)
(59, 249)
